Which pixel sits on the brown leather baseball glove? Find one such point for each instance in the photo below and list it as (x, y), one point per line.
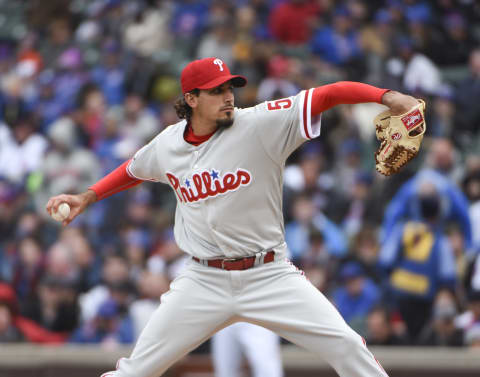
(400, 138)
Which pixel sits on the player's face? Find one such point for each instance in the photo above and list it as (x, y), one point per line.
(216, 105)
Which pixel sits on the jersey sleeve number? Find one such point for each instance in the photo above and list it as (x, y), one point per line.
(279, 104)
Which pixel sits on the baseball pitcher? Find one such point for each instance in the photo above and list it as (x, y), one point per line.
(225, 166)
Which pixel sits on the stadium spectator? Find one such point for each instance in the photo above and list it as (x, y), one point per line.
(83, 255)
(190, 17)
(218, 42)
(108, 327)
(361, 207)
(137, 125)
(364, 248)
(420, 75)
(110, 75)
(71, 77)
(310, 175)
(407, 205)
(9, 333)
(468, 114)
(150, 287)
(12, 201)
(48, 107)
(380, 331)
(91, 116)
(147, 32)
(316, 255)
(356, 295)
(376, 41)
(338, 43)
(442, 157)
(471, 316)
(471, 188)
(20, 327)
(66, 167)
(442, 331)
(57, 41)
(472, 337)
(114, 272)
(55, 306)
(21, 149)
(443, 119)
(455, 38)
(277, 84)
(348, 164)
(306, 220)
(462, 258)
(417, 261)
(292, 21)
(27, 266)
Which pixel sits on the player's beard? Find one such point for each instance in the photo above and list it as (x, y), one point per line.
(225, 122)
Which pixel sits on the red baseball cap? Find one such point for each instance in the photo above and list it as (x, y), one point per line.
(207, 74)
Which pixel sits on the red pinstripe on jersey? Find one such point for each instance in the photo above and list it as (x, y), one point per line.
(306, 116)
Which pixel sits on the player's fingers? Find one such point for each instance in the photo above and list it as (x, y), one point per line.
(69, 219)
(52, 204)
(56, 202)
(48, 206)
(74, 212)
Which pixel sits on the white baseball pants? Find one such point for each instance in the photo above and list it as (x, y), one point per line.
(260, 346)
(276, 295)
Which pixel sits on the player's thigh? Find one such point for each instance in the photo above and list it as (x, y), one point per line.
(283, 300)
(193, 304)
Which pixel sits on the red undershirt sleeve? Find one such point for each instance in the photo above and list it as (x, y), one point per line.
(116, 181)
(343, 92)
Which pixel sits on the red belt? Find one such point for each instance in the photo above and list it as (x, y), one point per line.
(237, 264)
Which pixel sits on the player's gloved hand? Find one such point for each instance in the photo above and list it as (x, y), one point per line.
(78, 203)
(400, 131)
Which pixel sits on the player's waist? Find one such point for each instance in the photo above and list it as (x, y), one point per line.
(242, 263)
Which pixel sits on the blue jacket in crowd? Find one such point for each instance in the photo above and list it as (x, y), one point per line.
(405, 205)
(418, 260)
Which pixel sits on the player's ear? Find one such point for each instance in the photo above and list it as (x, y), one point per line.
(191, 100)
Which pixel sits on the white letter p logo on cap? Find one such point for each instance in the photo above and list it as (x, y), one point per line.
(219, 63)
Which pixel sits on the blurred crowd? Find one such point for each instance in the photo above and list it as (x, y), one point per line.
(85, 83)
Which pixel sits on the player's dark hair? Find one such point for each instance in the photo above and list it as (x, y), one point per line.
(182, 108)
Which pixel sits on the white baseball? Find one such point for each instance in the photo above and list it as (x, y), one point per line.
(62, 213)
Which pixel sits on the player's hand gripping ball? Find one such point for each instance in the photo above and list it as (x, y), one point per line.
(62, 212)
(400, 137)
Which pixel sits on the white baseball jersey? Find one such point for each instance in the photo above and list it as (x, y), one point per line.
(229, 188)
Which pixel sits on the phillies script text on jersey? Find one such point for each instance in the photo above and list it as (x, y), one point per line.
(208, 184)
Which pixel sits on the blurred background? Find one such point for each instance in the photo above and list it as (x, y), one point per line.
(86, 83)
